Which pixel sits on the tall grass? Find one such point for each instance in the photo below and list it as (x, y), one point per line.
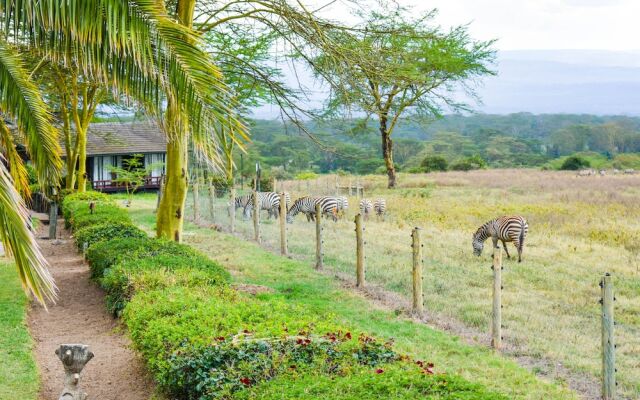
(580, 227)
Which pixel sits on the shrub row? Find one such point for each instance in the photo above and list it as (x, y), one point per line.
(202, 339)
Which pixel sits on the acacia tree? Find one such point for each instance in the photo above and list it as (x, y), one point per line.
(397, 65)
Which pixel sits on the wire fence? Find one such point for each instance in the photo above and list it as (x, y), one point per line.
(391, 263)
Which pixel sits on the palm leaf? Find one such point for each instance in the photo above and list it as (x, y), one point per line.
(16, 233)
(20, 100)
(16, 165)
(136, 48)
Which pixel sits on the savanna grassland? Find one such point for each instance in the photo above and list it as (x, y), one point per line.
(580, 228)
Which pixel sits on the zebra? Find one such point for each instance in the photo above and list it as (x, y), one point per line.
(380, 207)
(241, 202)
(366, 208)
(269, 201)
(506, 229)
(343, 204)
(307, 205)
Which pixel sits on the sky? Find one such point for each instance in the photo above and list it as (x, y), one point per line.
(590, 62)
(544, 24)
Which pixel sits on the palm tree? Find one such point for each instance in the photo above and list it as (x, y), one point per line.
(134, 48)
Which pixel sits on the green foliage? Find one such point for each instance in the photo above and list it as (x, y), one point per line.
(574, 163)
(434, 163)
(469, 163)
(624, 161)
(83, 216)
(138, 274)
(306, 175)
(393, 382)
(107, 230)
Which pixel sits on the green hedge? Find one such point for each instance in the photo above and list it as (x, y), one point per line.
(201, 339)
(105, 231)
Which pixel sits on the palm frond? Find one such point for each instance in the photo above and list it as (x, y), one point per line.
(135, 47)
(16, 233)
(16, 164)
(21, 101)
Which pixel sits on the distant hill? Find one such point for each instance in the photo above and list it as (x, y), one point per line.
(543, 81)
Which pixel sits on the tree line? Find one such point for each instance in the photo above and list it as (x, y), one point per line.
(452, 142)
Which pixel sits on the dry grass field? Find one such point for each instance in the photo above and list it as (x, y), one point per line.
(580, 228)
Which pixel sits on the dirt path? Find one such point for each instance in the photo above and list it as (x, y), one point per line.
(79, 316)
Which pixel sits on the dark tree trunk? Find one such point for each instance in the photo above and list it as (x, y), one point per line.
(387, 153)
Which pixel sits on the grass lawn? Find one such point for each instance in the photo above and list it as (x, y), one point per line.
(295, 281)
(18, 372)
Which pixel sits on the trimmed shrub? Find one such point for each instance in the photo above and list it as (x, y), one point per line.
(161, 271)
(105, 254)
(107, 230)
(398, 381)
(103, 212)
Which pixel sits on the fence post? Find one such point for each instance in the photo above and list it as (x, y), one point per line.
(232, 209)
(608, 342)
(256, 217)
(196, 200)
(337, 186)
(212, 200)
(418, 297)
(496, 327)
(283, 225)
(85, 248)
(359, 251)
(319, 261)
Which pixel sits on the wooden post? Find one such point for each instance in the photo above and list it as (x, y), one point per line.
(283, 225)
(196, 200)
(232, 209)
(608, 342)
(256, 217)
(337, 186)
(85, 247)
(418, 297)
(496, 326)
(319, 261)
(359, 251)
(212, 200)
(274, 185)
(53, 219)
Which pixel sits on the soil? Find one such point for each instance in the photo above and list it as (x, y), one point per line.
(80, 316)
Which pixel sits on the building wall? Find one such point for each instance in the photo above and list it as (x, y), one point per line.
(102, 165)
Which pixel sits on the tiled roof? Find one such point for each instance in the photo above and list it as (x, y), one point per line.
(125, 138)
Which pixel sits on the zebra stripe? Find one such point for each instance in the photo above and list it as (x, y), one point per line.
(269, 201)
(343, 204)
(380, 206)
(307, 206)
(366, 207)
(506, 229)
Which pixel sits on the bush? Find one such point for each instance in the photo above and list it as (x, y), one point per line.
(107, 230)
(106, 254)
(130, 276)
(574, 163)
(306, 175)
(390, 381)
(469, 163)
(434, 163)
(102, 213)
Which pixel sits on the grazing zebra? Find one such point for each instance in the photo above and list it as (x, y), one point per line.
(343, 204)
(380, 207)
(241, 202)
(506, 229)
(307, 205)
(269, 201)
(366, 208)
